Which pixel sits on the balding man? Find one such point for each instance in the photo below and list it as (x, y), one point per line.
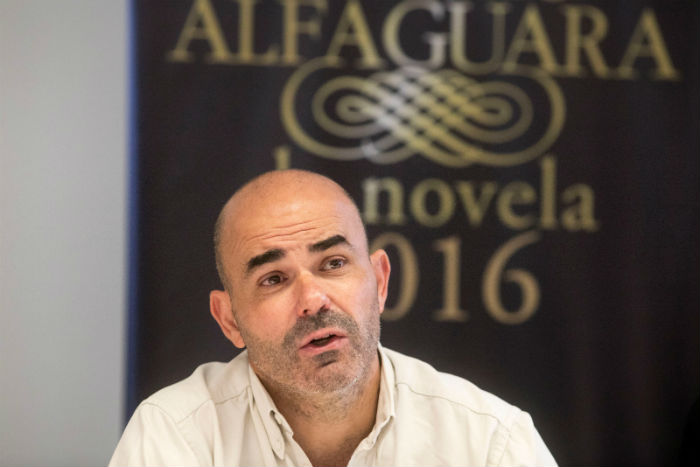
(303, 295)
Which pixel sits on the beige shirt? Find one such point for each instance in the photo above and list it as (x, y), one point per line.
(222, 415)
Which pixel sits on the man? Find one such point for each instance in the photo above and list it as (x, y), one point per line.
(314, 387)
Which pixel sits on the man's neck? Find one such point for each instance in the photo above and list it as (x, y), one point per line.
(328, 427)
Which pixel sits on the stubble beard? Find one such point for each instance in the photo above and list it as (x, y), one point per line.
(331, 375)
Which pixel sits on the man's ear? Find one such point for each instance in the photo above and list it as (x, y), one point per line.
(220, 308)
(382, 269)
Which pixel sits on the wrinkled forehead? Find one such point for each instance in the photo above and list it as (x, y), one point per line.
(282, 217)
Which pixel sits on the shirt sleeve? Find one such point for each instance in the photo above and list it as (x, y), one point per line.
(524, 445)
(152, 438)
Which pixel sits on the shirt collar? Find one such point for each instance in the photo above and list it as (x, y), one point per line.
(275, 423)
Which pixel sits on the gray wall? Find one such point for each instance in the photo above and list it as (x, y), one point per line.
(63, 163)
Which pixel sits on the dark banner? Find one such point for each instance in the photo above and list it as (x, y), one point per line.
(530, 167)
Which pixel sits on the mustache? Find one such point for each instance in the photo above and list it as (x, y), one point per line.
(320, 320)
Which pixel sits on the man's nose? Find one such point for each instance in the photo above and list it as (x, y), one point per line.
(311, 296)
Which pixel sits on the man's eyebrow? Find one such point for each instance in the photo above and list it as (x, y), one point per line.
(327, 243)
(267, 257)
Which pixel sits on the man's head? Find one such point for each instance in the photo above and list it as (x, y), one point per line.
(302, 292)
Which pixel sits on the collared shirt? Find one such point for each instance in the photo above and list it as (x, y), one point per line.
(222, 415)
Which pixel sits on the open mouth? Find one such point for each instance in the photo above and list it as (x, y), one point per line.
(320, 342)
(323, 340)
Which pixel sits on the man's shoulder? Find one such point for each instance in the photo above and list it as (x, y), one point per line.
(209, 383)
(422, 380)
(470, 426)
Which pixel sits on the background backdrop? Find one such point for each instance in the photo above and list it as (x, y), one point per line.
(608, 368)
(531, 168)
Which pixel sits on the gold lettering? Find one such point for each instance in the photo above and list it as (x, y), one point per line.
(548, 187)
(531, 36)
(371, 188)
(450, 311)
(293, 28)
(516, 193)
(576, 42)
(494, 273)
(408, 285)
(446, 205)
(282, 157)
(474, 206)
(579, 216)
(353, 19)
(435, 40)
(246, 35)
(647, 41)
(458, 37)
(210, 31)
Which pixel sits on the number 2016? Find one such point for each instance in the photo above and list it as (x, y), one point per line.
(495, 274)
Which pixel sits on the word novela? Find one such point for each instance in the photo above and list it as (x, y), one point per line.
(518, 205)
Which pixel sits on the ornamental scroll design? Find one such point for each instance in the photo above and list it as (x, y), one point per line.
(450, 119)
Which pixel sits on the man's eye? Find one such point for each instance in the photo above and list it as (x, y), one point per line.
(272, 280)
(334, 263)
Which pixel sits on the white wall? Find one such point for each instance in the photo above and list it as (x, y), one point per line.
(63, 227)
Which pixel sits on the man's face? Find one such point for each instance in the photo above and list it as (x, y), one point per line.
(306, 297)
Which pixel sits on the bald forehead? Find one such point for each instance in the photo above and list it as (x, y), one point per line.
(289, 183)
(281, 188)
(260, 201)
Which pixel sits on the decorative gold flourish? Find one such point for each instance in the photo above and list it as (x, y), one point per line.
(451, 119)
